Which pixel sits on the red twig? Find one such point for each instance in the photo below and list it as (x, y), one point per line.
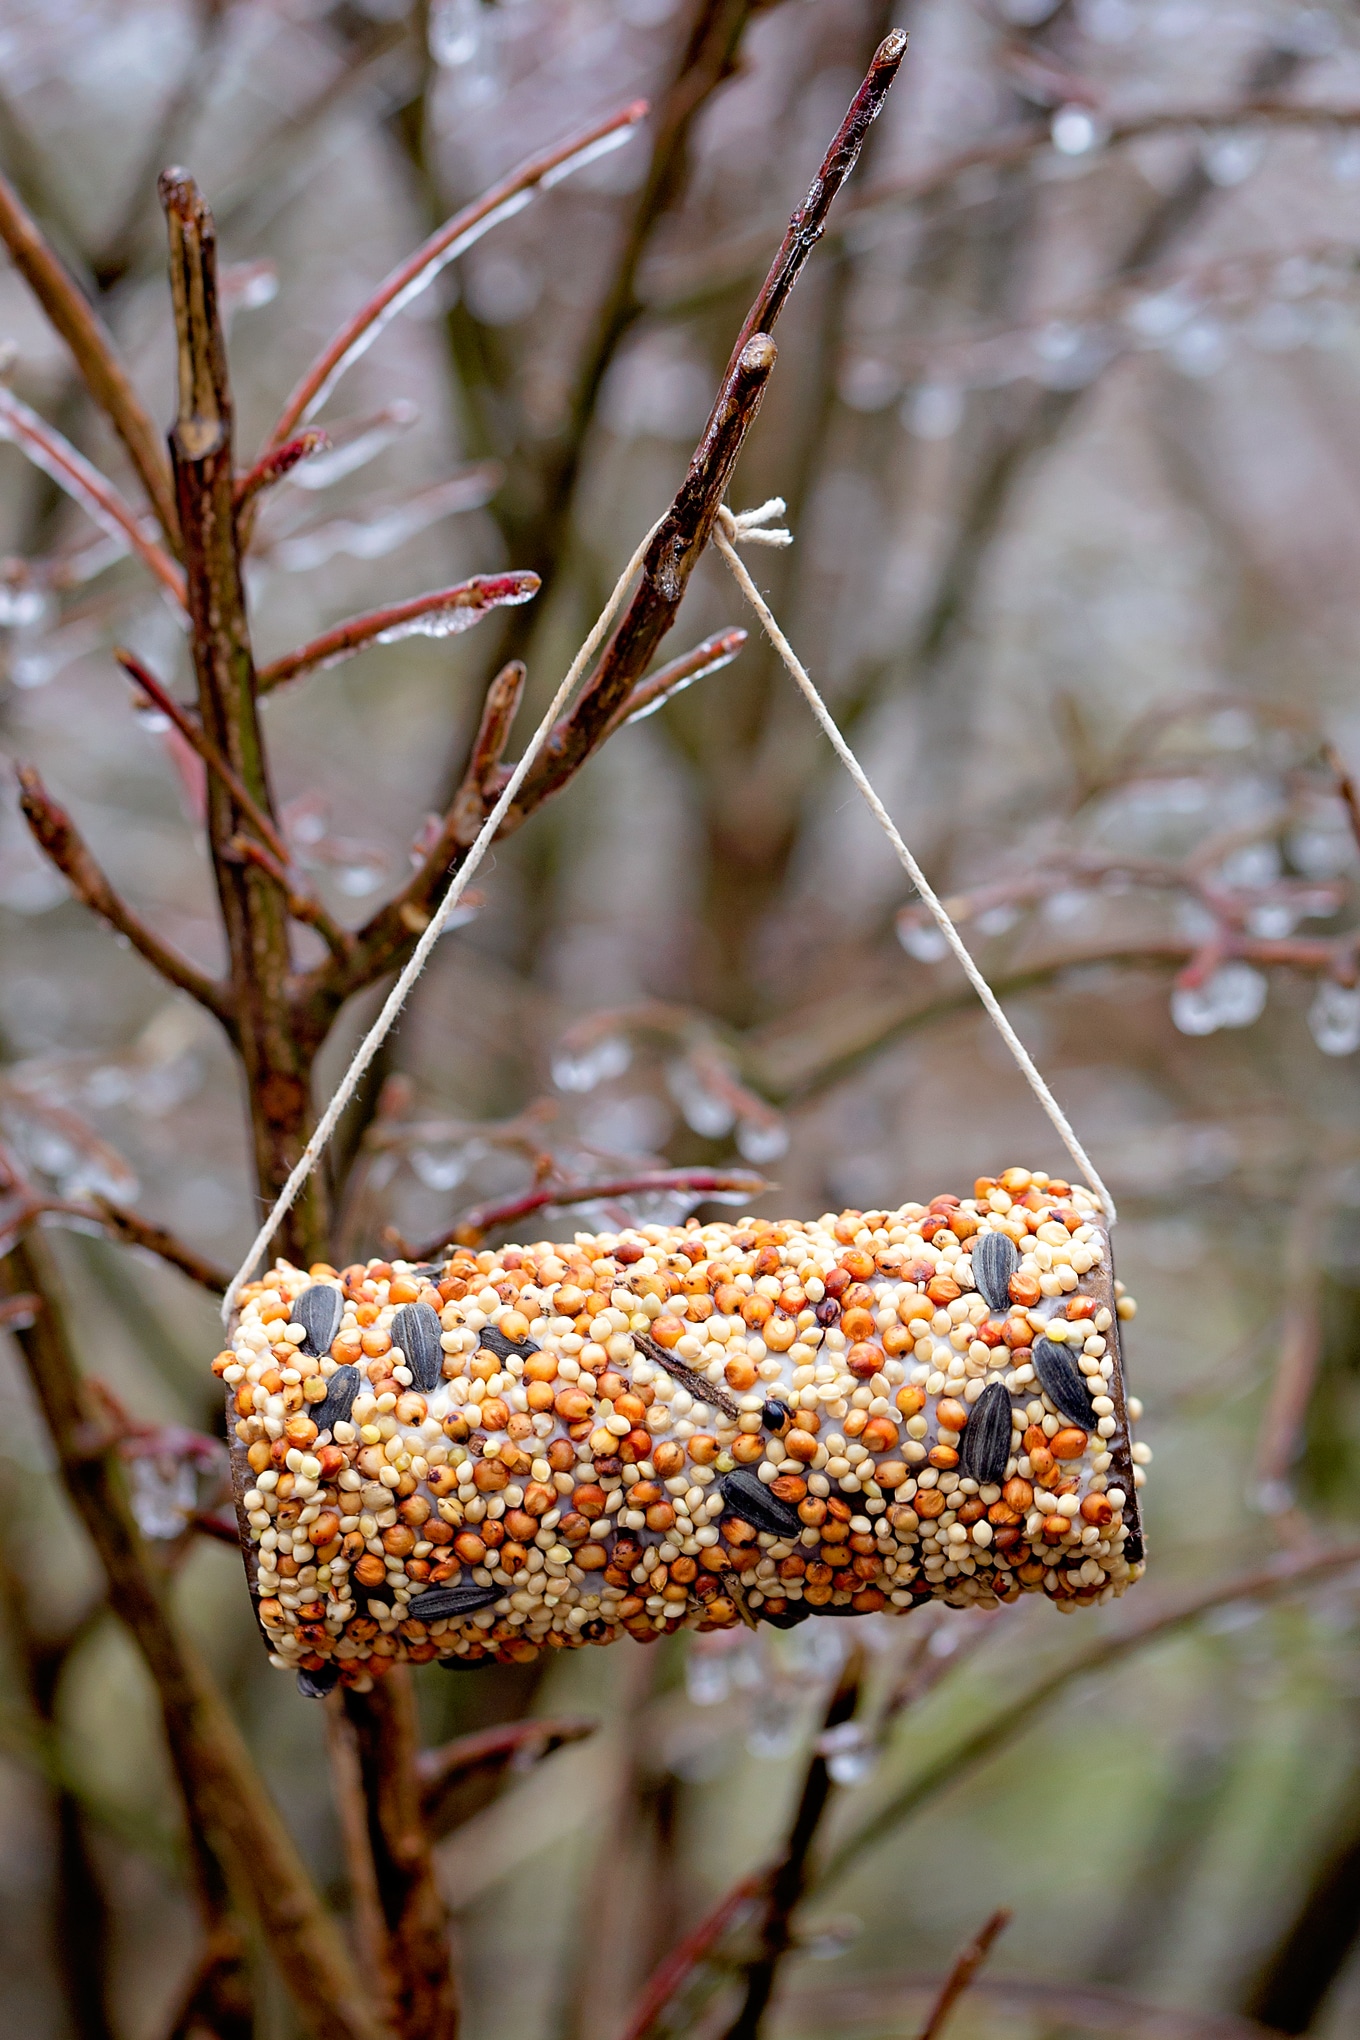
(1346, 787)
(95, 355)
(58, 837)
(195, 737)
(477, 789)
(440, 613)
(473, 1226)
(660, 687)
(961, 1975)
(419, 270)
(670, 1975)
(443, 1771)
(96, 495)
(277, 462)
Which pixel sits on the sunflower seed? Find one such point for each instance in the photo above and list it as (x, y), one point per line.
(995, 1259)
(1062, 1384)
(319, 1311)
(341, 1390)
(788, 1618)
(747, 1496)
(415, 1328)
(462, 1664)
(986, 1442)
(437, 1604)
(505, 1349)
(775, 1415)
(316, 1685)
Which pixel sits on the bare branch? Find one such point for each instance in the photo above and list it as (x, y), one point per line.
(471, 1229)
(961, 1975)
(670, 1976)
(662, 686)
(84, 484)
(96, 356)
(273, 465)
(135, 1231)
(442, 612)
(1346, 787)
(476, 794)
(230, 1818)
(161, 698)
(485, 1754)
(411, 277)
(302, 906)
(58, 838)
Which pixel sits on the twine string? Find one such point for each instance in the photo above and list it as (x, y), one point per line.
(753, 527)
(420, 955)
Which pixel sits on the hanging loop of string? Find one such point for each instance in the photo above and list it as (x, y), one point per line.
(752, 527)
(400, 991)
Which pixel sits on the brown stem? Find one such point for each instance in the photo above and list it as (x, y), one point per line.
(652, 693)
(789, 1878)
(255, 914)
(961, 1975)
(424, 2004)
(96, 356)
(455, 608)
(96, 495)
(302, 906)
(272, 466)
(135, 1231)
(58, 838)
(230, 1819)
(161, 698)
(670, 1976)
(471, 1229)
(1346, 787)
(484, 1755)
(476, 794)
(421, 268)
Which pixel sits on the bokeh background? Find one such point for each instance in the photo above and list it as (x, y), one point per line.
(1066, 419)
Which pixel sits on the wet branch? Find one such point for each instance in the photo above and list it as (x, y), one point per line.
(92, 346)
(439, 613)
(471, 1229)
(57, 836)
(235, 1835)
(485, 1755)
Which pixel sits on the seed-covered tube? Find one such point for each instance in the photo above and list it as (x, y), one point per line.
(684, 1426)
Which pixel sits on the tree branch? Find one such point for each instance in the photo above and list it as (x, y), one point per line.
(58, 838)
(442, 612)
(485, 1754)
(254, 910)
(424, 1999)
(419, 270)
(789, 1878)
(961, 1975)
(471, 1229)
(230, 1820)
(476, 794)
(84, 484)
(92, 346)
(662, 686)
(194, 736)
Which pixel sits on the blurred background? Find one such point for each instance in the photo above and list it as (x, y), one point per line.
(1066, 420)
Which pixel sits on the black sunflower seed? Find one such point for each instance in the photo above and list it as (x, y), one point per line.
(995, 1259)
(986, 1442)
(464, 1664)
(437, 1604)
(747, 1496)
(319, 1311)
(1062, 1384)
(341, 1390)
(775, 1415)
(505, 1349)
(316, 1685)
(415, 1328)
(787, 1618)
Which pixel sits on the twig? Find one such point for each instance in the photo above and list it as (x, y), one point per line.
(474, 1225)
(662, 686)
(254, 912)
(1002, 1727)
(384, 1721)
(96, 356)
(1346, 787)
(476, 794)
(229, 1816)
(669, 1977)
(789, 1878)
(193, 735)
(411, 277)
(961, 1975)
(302, 906)
(96, 495)
(484, 1754)
(272, 466)
(1041, 2003)
(58, 838)
(155, 1239)
(440, 613)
